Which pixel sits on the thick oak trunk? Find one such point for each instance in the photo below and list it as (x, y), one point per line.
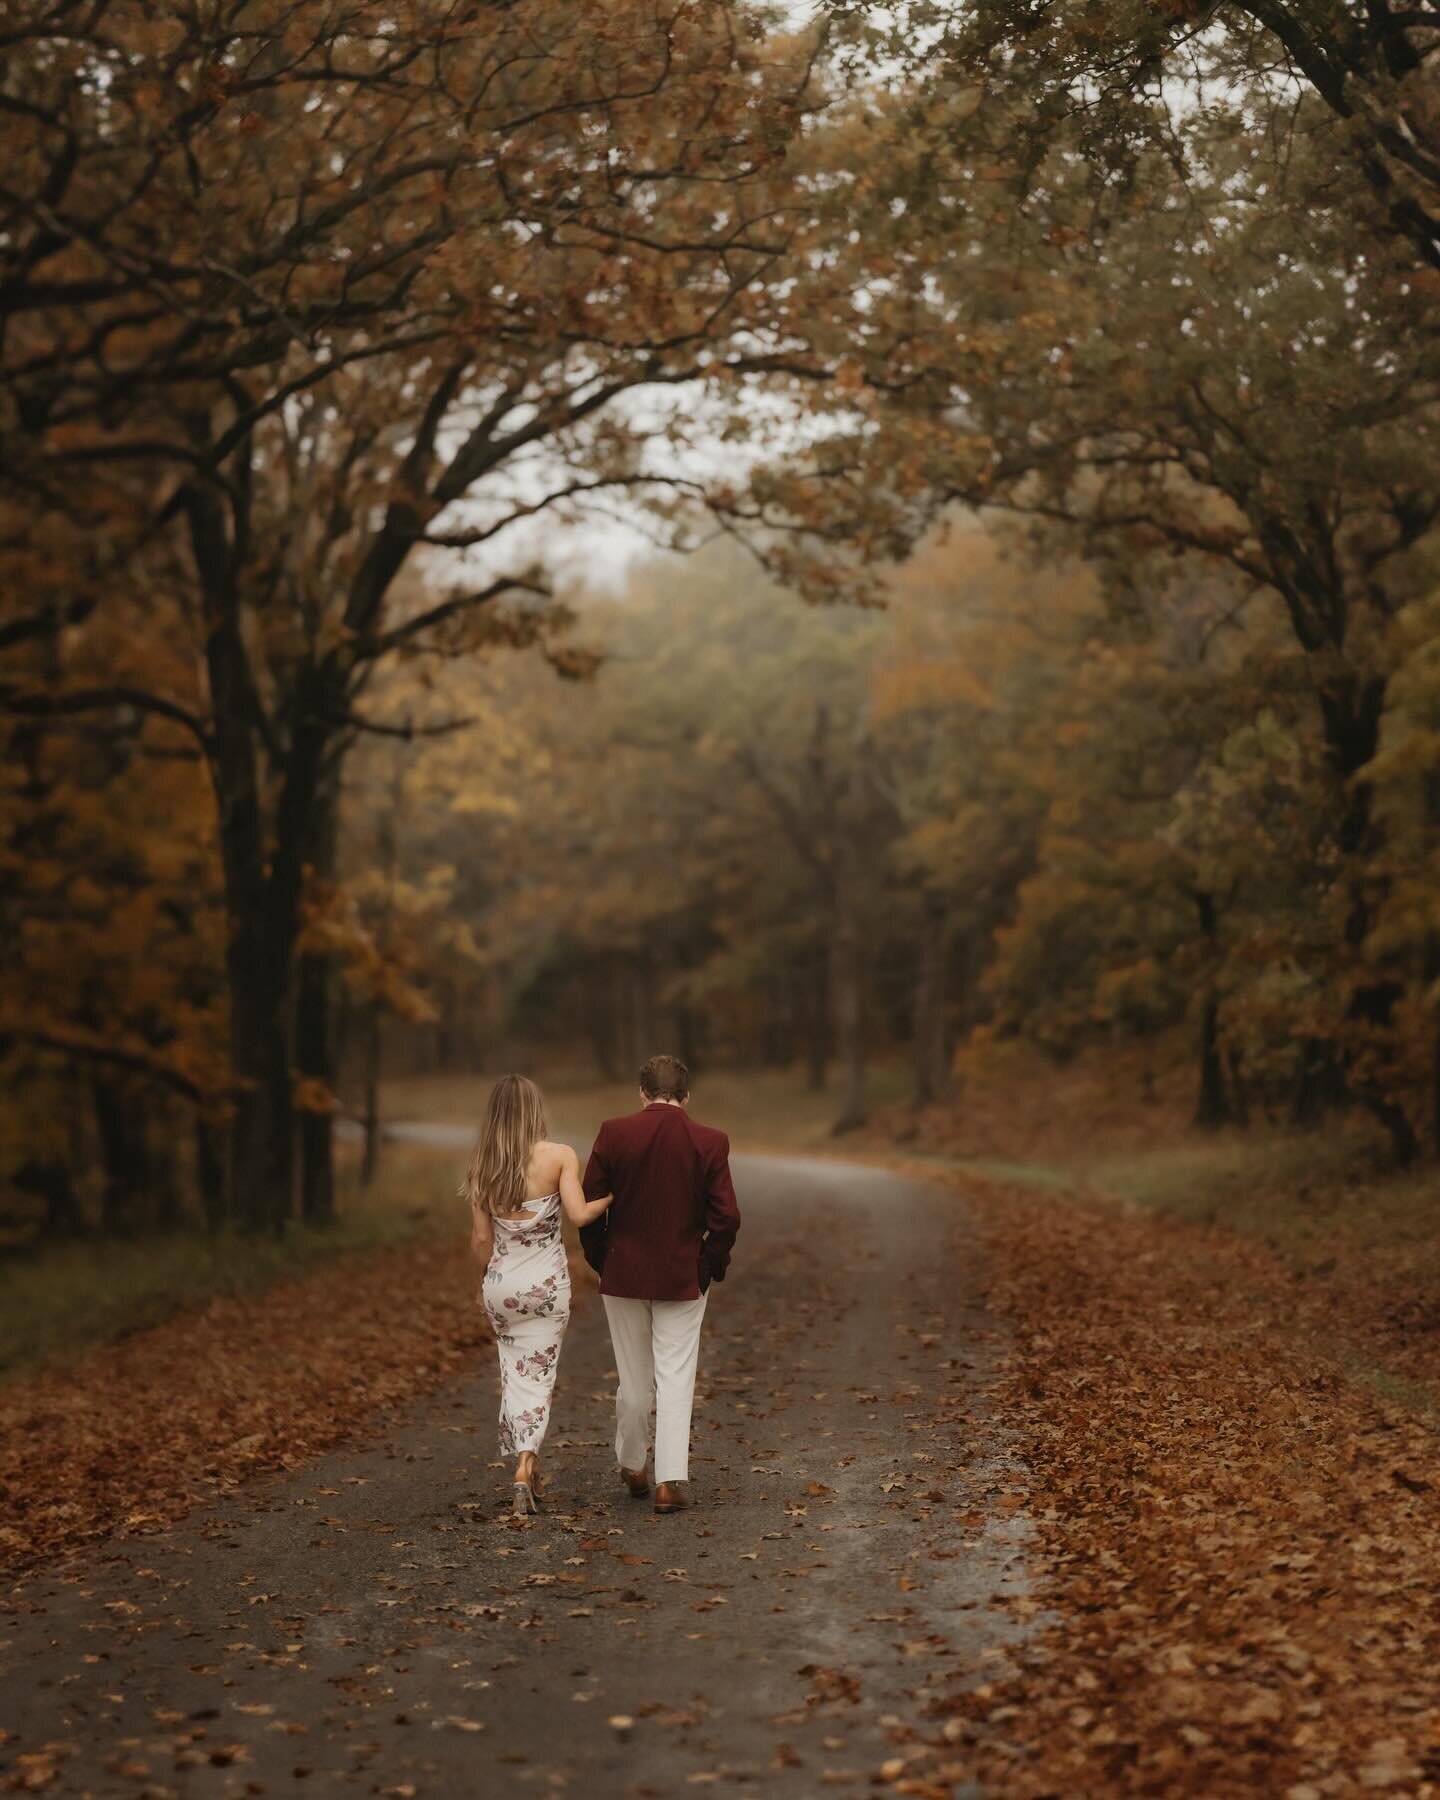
(257, 967)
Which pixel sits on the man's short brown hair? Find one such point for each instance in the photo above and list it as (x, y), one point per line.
(665, 1078)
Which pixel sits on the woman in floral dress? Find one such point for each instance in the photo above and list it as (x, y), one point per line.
(519, 1186)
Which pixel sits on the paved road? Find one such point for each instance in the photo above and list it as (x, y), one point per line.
(375, 1625)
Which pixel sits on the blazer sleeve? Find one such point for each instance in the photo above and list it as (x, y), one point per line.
(595, 1237)
(722, 1210)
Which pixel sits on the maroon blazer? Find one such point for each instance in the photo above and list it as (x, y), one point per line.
(668, 1234)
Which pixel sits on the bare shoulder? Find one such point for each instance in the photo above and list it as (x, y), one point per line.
(548, 1162)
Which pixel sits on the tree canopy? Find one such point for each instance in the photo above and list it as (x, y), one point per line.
(1061, 382)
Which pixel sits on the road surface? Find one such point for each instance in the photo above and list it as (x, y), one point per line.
(374, 1624)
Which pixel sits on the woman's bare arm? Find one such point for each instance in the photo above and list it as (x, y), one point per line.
(578, 1209)
(482, 1238)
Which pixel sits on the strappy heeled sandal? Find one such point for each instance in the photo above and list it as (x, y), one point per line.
(524, 1500)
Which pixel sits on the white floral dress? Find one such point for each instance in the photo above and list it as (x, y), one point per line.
(527, 1299)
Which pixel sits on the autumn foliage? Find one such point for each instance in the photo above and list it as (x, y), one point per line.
(317, 332)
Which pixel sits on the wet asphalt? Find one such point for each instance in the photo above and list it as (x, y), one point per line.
(376, 1625)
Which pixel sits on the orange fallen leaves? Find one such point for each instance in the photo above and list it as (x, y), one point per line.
(134, 1434)
(1239, 1542)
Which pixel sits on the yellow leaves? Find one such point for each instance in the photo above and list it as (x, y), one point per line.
(911, 686)
(312, 1095)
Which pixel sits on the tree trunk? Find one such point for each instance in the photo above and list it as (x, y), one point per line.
(313, 1055)
(1435, 1091)
(1404, 1139)
(343, 1020)
(688, 1045)
(600, 1021)
(1212, 1105)
(642, 1007)
(257, 967)
(1239, 1100)
(620, 1016)
(1352, 710)
(931, 1060)
(817, 1032)
(51, 1182)
(370, 1155)
(62, 1206)
(262, 1161)
(210, 1172)
(315, 1047)
(163, 1181)
(264, 871)
(1319, 1083)
(120, 1122)
(775, 1047)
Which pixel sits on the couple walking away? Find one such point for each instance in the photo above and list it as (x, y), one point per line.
(657, 1217)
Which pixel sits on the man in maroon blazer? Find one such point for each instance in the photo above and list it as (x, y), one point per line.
(656, 1251)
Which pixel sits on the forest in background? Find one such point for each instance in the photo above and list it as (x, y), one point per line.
(1039, 418)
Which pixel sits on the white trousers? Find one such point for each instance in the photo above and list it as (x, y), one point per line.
(657, 1349)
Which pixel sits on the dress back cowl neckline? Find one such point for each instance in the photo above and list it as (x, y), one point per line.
(531, 1211)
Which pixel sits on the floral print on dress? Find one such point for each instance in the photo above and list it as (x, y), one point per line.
(539, 1362)
(527, 1299)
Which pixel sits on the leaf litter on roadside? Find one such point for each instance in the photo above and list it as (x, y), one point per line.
(1235, 1543)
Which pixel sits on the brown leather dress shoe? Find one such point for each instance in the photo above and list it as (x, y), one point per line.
(637, 1481)
(671, 1496)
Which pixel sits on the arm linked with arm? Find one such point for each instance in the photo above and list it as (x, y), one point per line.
(722, 1211)
(579, 1209)
(595, 1236)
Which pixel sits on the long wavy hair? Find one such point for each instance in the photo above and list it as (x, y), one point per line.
(513, 1125)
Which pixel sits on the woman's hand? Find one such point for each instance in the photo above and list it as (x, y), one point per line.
(578, 1210)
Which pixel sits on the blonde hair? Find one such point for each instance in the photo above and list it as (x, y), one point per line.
(513, 1125)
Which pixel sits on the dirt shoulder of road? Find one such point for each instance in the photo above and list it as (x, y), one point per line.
(131, 1435)
(1236, 1533)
